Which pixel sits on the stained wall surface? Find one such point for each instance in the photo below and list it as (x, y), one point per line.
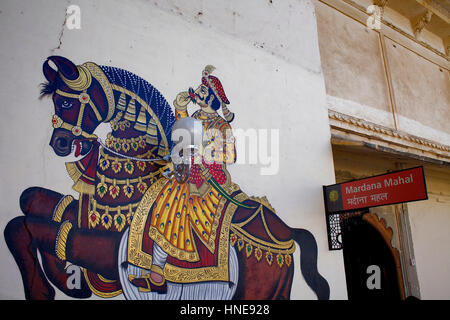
(390, 79)
(381, 75)
(273, 83)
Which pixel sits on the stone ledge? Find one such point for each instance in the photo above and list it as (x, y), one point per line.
(369, 132)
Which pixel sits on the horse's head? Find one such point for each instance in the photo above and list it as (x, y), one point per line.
(82, 100)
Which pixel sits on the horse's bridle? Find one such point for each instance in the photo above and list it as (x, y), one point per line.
(86, 72)
(76, 130)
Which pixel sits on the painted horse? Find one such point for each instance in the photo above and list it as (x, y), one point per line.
(102, 233)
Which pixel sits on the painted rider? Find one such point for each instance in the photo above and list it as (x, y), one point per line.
(173, 229)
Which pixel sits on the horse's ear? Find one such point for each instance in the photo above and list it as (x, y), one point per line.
(66, 67)
(49, 72)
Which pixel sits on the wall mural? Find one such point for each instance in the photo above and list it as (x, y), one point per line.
(143, 225)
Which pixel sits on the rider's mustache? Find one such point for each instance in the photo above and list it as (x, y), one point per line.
(193, 95)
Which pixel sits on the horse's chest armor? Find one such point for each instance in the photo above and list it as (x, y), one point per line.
(120, 184)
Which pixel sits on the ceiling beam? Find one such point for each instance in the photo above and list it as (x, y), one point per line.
(447, 45)
(438, 8)
(380, 3)
(419, 22)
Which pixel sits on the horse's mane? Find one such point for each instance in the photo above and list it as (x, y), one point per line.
(140, 87)
(146, 92)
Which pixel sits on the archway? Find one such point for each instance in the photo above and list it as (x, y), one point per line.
(371, 263)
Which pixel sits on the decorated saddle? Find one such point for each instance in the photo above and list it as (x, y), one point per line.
(198, 240)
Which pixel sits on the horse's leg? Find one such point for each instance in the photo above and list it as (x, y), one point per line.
(93, 250)
(41, 203)
(20, 243)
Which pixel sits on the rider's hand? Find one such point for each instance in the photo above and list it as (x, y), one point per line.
(182, 100)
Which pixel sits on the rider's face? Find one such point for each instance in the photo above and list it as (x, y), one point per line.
(201, 96)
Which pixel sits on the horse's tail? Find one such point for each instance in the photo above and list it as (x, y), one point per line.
(308, 263)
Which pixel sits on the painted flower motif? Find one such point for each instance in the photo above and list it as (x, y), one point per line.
(280, 260)
(258, 254)
(269, 257)
(128, 190)
(104, 164)
(116, 166)
(119, 221)
(125, 146)
(109, 143)
(83, 97)
(106, 220)
(114, 125)
(141, 165)
(56, 121)
(233, 239)
(102, 188)
(288, 259)
(129, 167)
(76, 131)
(114, 191)
(130, 217)
(240, 244)
(142, 186)
(117, 146)
(94, 219)
(248, 249)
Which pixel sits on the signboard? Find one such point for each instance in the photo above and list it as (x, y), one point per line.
(394, 187)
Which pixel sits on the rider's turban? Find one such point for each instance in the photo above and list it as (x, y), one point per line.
(214, 83)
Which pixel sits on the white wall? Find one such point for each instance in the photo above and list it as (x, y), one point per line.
(430, 225)
(266, 56)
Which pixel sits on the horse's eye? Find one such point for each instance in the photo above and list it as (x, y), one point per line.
(66, 104)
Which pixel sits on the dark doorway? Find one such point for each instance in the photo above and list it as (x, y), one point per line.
(368, 256)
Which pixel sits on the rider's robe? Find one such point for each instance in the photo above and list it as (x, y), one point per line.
(191, 221)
